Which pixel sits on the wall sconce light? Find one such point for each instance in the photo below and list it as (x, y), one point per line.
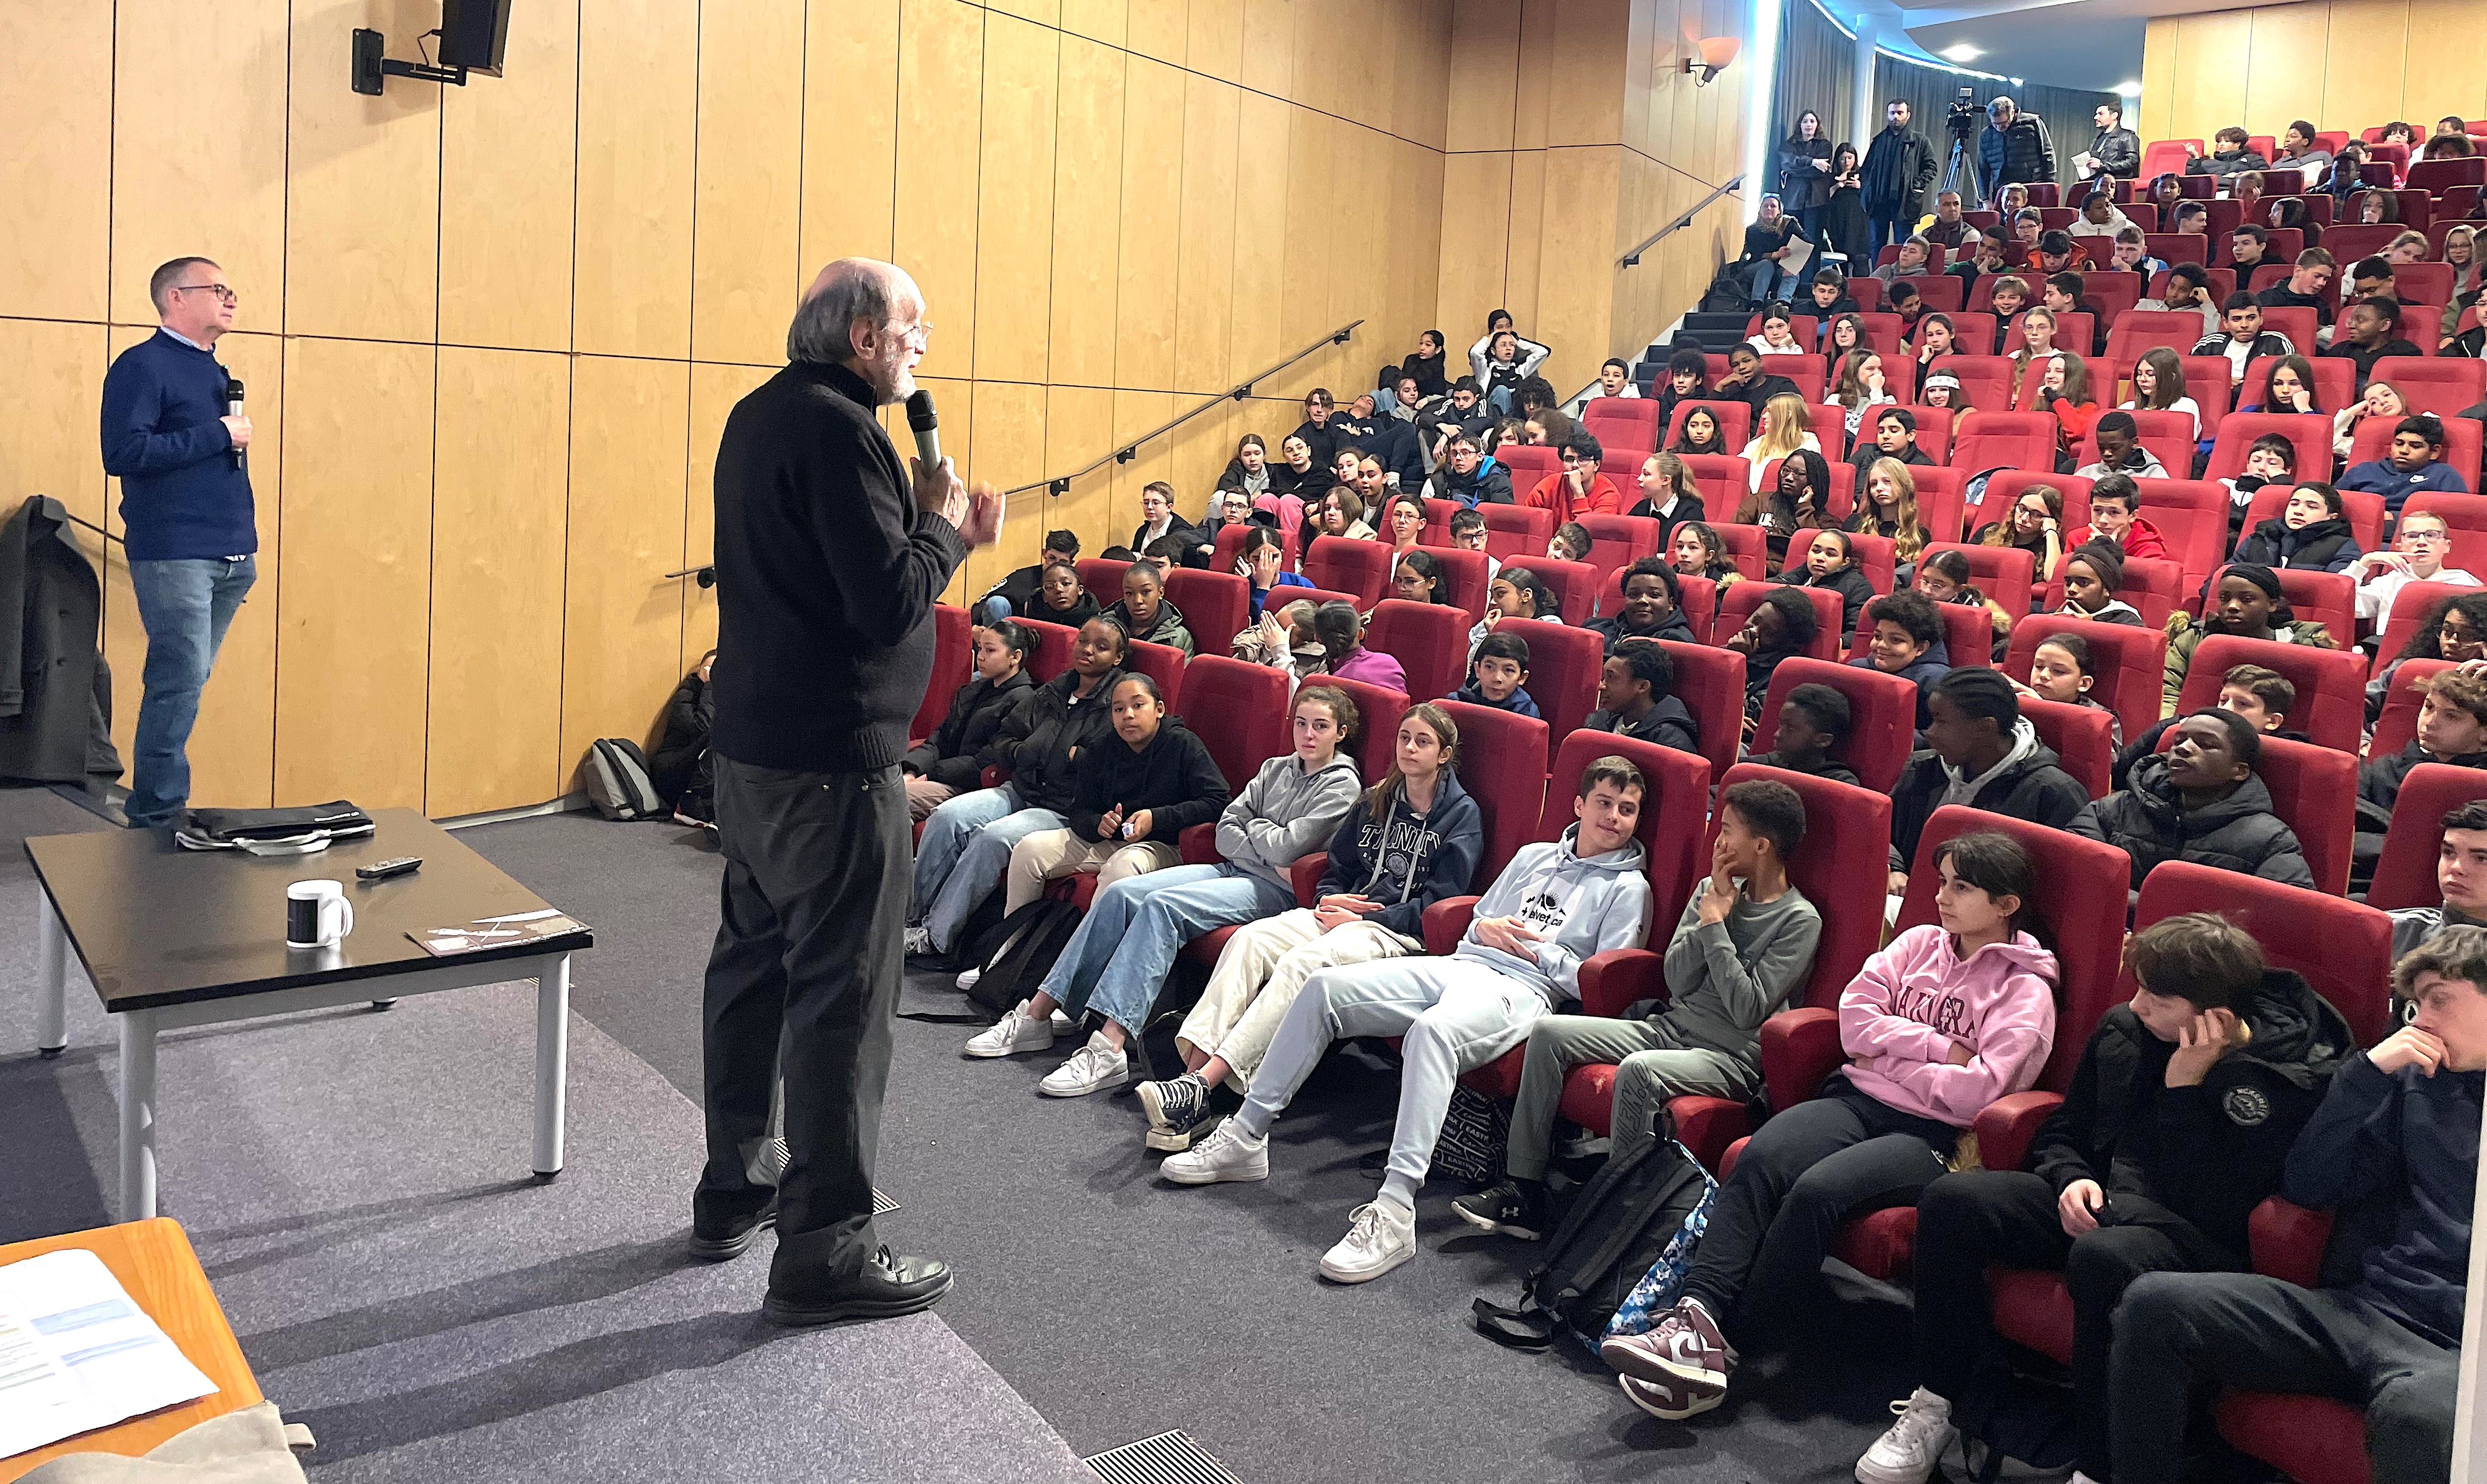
(1716, 51)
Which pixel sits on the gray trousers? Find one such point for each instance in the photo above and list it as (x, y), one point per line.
(1647, 1073)
(813, 910)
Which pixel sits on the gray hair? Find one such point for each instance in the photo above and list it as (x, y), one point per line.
(2450, 953)
(160, 283)
(855, 288)
(1999, 103)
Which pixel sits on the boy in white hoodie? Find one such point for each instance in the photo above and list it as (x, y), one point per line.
(1943, 1020)
(1555, 907)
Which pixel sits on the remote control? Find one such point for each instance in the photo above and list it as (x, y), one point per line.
(383, 870)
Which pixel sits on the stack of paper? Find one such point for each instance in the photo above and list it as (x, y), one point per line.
(76, 1353)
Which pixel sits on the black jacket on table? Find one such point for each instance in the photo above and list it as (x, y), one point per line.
(964, 744)
(1173, 777)
(826, 575)
(1669, 723)
(2148, 821)
(2204, 1155)
(1037, 740)
(679, 766)
(2034, 787)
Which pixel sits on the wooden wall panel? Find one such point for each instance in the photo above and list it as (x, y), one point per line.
(2447, 61)
(638, 111)
(1213, 37)
(500, 522)
(355, 586)
(1144, 309)
(850, 132)
(2369, 89)
(714, 390)
(1014, 212)
(1576, 291)
(1205, 236)
(1257, 312)
(170, 71)
(56, 160)
(2219, 92)
(1584, 98)
(1476, 242)
(1158, 29)
(1269, 64)
(51, 378)
(2285, 76)
(1315, 144)
(1088, 213)
(1078, 421)
(622, 624)
(1099, 20)
(748, 182)
(1010, 451)
(2161, 37)
(1484, 69)
(362, 199)
(509, 159)
(940, 58)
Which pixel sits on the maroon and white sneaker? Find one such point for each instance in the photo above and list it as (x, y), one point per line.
(1685, 1347)
(1668, 1399)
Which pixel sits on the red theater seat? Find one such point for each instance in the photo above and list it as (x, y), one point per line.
(2004, 573)
(2137, 330)
(1883, 710)
(953, 661)
(1739, 602)
(2331, 706)
(1969, 634)
(1348, 565)
(1563, 665)
(2440, 384)
(2128, 662)
(2362, 509)
(2192, 516)
(2003, 440)
(1215, 605)
(2411, 604)
(1430, 640)
(1502, 763)
(1054, 643)
(2155, 587)
(1163, 663)
(2399, 723)
(2461, 444)
(2081, 738)
(1710, 682)
(1616, 541)
(2335, 380)
(1723, 480)
(2405, 873)
(2168, 435)
(1516, 531)
(1466, 573)
(1985, 380)
(1239, 710)
(1575, 583)
(1735, 420)
(2310, 433)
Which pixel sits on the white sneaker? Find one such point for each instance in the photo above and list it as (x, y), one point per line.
(1015, 1033)
(1063, 1025)
(919, 942)
(1228, 1153)
(1379, 1236)
(1908, 1453)
(968, 978)
(1093, 1067)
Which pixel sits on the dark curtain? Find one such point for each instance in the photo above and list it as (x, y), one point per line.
(1816, 72)
(1932, 90)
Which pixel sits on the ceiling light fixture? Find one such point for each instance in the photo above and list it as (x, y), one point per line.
(2132, 89)
(1962, 52)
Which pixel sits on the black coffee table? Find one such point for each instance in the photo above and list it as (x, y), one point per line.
(174, 937)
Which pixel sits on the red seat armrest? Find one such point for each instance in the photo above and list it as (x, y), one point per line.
(2288, 1241)
(2006, 1127)
(994, 776)
(1198, 844)
(1619, 977)
(1800, 1047)
(1447, 922)
(1306, 875)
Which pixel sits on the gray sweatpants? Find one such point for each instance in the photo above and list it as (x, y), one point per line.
(1647, 1073)
(1456, 1015)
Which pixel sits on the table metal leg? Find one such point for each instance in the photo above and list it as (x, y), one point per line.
(52, 980)
(553, 1065)
(137, 1114)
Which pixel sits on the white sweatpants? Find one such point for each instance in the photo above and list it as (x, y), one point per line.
(1258, 974)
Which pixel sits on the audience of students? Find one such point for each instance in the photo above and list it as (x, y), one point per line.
(2311, 533)
(949, 762)
(2202, 801)
(2245, 601)
(1636, 698)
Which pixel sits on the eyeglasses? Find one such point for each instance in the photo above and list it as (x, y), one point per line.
(2407, 535)
(1570, 457)
(919, 334)
(224, 294)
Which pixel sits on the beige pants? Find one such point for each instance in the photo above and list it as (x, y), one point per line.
(1258, 974)
(924, 796)
(1051, 855)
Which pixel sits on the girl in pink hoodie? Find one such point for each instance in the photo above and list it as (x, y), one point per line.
(1940, 1023)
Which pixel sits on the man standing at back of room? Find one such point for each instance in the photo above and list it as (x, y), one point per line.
(2014, 149)
(188, 530)
(829, 558)
(1899, 167)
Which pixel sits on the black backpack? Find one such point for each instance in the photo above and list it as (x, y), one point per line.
(619, 782)
(1615, 1232)
(1016, 955)
(2030, 1422)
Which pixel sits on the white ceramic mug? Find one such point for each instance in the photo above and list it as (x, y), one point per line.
(316, 914)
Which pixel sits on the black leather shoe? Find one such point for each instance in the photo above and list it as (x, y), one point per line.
(888, 1286)
(722, 1228)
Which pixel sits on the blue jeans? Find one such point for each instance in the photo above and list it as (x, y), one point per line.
(1765, 273)
(965, 846)
(1117, 959)
(185, 608)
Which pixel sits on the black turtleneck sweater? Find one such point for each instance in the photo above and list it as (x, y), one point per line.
(826, 574)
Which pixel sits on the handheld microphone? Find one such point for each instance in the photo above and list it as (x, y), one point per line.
(928, 440)
(233, 408)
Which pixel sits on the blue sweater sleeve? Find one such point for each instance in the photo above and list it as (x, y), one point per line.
(2351, 1148)
(133, 403)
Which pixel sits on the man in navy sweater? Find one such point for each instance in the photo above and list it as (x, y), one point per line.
(830, 553)
(186, 512)
(2396, 1138)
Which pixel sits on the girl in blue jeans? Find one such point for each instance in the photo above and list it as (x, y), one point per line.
(966, 842)
(1117, 959)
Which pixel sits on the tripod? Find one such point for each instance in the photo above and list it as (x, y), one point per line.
(1952, 167)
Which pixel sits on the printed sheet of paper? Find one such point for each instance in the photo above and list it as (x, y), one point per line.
(511, 932)
(76, 1353)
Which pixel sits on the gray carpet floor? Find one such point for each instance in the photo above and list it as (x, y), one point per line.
(399, 1286)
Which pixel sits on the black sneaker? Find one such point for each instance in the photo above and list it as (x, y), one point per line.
(1177, 1108)
(1509, 1208)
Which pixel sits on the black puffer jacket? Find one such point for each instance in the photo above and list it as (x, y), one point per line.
(964, 743)
(2149, 822)
(1036, 742)
(1674, 628)
(679, 768)
(2204, 1155)
(2325, 545)
(2035, 787)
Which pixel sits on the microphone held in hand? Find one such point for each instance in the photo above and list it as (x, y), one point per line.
(233, 408)
(928, 439)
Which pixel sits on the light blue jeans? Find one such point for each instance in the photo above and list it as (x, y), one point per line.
(1456, 1015)
(1118, 959)
(185, 608)
(965, 846)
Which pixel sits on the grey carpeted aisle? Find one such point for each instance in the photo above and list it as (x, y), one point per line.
(356, 1187)
(1121, 1307)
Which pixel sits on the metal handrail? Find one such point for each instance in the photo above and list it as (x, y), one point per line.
(1632, 257)
(1059, 484)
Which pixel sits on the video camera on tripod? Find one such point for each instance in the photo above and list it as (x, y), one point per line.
(1962, 122)
(1965, 114)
